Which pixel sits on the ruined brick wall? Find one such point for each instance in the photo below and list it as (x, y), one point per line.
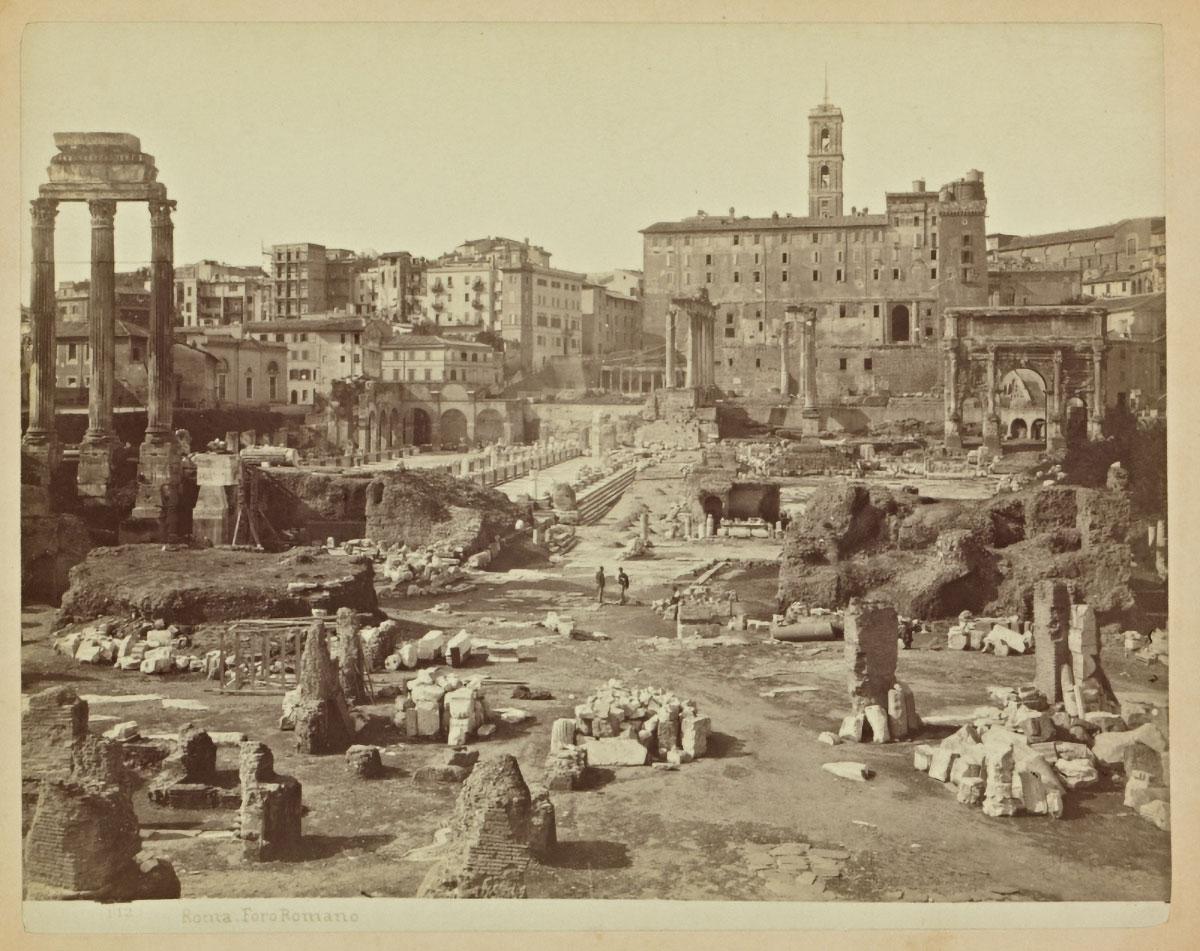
(83, 836)
(491, 831)
(57, 720)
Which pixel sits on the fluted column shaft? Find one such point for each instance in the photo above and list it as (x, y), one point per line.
(670, 335)
(43, 312)
(810, 364)
(102, 317)
(689, 375)
(161, 397)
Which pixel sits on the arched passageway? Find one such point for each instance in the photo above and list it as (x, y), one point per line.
(453, 428)
(489, 426)
(417, 427)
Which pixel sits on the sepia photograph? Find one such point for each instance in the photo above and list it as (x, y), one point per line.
(692, 462)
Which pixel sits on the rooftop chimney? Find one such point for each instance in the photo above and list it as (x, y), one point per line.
(732, 213)
(919, 185)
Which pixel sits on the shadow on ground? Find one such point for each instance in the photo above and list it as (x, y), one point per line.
(589, 853)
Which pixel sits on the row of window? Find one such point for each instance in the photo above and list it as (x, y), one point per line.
(440, 355)
(839, 276)
(846, 236)
(427, 375)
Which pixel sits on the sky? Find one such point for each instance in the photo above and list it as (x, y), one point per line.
(419, 136)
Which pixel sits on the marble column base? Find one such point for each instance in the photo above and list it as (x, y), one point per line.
(810, 424)
(40, 458)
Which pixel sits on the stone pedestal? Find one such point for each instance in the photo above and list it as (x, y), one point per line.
(158, 479)
(98, 459)
(215, 510)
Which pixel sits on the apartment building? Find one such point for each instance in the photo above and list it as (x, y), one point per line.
(419, 358)
(324, 348)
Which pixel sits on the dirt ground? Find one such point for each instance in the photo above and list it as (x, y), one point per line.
(643, 832)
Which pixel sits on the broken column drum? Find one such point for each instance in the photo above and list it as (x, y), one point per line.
(103, 168)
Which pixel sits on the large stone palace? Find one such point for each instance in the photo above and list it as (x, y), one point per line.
(879, 282)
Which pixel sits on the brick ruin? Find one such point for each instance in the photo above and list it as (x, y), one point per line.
(497, 829)
(81, 833)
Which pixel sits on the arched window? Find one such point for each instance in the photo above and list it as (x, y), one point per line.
(824, 176)
(826, 140)
(295, 397)
(249, 383)
(272, 381)
(1131, 244)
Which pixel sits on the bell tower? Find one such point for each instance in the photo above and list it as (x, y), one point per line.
(825, 159)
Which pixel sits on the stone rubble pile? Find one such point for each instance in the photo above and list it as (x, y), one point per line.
(437, 707)
(149, 648)
(629, 726)
(999, 635)
(884, 708)
(433, 647)
(1025, 756)
(560, 538)
(1151, 649)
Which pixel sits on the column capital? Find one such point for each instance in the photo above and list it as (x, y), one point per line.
(1058, 358)
(103, 210)
(160, 211)
(44, 211)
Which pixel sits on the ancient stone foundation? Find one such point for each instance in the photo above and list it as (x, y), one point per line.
(189, 774)
(269, 821)
(497, 828)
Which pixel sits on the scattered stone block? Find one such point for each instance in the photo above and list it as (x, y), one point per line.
(877, 720)
(615, 751)
(364, 761)
(859, 772)
(127, 730)
(1158, 812)
(829, 739)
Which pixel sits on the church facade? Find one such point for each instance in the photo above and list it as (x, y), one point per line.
(879, 282)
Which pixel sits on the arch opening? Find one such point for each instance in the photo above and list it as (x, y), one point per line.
(901, 324)
(453, 429)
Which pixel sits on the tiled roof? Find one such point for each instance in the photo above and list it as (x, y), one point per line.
(308, 325)
(76, 329)
(1079, 234)
(430, 342)
(1130, 303)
